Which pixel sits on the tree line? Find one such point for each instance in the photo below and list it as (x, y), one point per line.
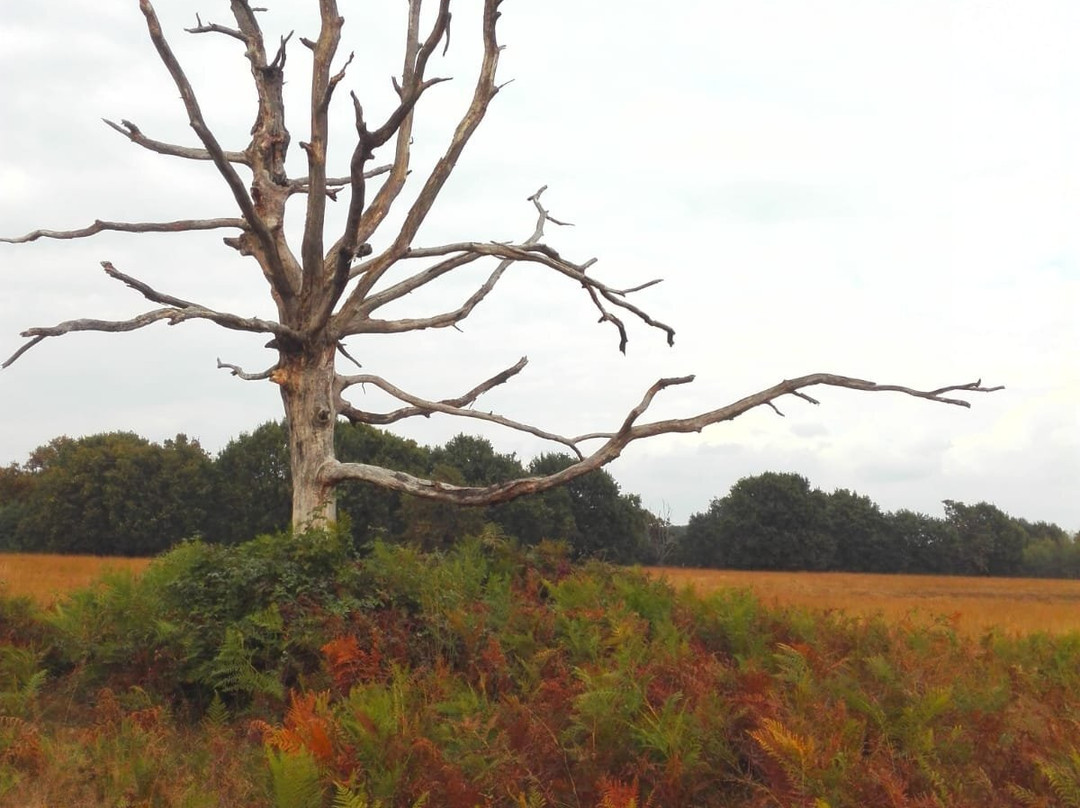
(776, 521)
(121, 494)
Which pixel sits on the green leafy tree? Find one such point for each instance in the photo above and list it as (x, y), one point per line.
(772, 521)
(115, 493)
(991, 541)
(863, 540)
(930, 545)
(254, 488)
(605, 522)
(477, 460)
(16, 483)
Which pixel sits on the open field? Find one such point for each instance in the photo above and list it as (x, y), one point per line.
(45, 578)
(1014, 605)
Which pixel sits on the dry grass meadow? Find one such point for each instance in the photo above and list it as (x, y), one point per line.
(46, 578)
(975, 605)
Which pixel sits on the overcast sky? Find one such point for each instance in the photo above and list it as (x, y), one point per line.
(877, 189)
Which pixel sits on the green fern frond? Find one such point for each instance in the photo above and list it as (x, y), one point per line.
(345, 797)
(295, 777)
(217, 714)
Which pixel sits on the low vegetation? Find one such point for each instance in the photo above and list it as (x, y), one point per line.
(287, 672)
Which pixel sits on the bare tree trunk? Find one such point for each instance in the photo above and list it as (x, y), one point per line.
(306, 379)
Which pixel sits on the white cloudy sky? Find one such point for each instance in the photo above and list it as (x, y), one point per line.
(877, 189)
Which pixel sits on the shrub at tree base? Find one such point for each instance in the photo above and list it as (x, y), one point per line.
(487, 676)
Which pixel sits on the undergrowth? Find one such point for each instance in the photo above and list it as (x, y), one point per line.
(288, 672)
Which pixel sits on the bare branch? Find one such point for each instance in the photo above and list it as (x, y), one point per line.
(274, 266)
(344, 382)
(333, 471)
(236, 370)
(457, 407)
(11, 359)
(482, 95)
(333, 184)
(600, 293)
(145, 290)
(214, 28)
(322, 89)
(135, 135)
(462, 253)
(177, 310)
(181, 226)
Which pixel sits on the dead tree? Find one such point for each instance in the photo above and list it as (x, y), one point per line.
(336, 285)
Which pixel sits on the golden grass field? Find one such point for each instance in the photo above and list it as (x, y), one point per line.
(46, 578)
(1014, 605)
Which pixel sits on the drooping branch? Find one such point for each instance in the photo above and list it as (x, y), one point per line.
(600, 293)
(462, 253)
(135, 135)
(334, 472)
(99, 226)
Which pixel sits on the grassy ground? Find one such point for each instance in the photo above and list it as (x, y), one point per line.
(1014, 605)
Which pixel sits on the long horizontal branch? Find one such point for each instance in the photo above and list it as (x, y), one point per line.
(334, 471)
(135, 135)
(99, 226)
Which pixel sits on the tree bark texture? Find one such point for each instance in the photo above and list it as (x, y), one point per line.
(306, 380)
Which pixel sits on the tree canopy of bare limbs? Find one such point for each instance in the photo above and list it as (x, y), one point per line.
(337, 285)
